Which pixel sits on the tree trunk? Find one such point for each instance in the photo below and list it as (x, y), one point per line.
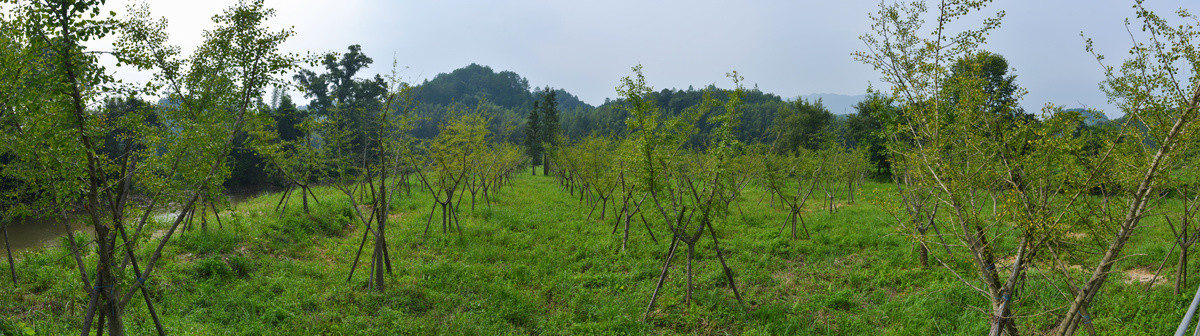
(603, 207)
(924, 249)
(304, 197)
(445, 217)
(12, 267)
(381, 208)
(662, 276)
(691, 252)
(1181, 267)
(105, 281)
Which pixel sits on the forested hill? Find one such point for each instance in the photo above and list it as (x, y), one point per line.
(474, 83)
(507, 97)
(504, 97)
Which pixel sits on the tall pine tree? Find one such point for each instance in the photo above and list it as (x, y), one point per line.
(550, 128)
(533, 137)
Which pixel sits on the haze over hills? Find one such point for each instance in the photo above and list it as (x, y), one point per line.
(837, 103)
(473, 82)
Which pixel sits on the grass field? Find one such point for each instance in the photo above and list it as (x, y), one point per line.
(532, 263)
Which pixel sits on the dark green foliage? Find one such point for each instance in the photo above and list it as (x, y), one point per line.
(8, 328)
(118, 143)
(802, 124)
(864, 128)
(82, 241)
(240, 265)
(474, 84)
(248, 168)
(999, 85)
(547, 107)
(505, 98)
(609, 119)
(288, 119)
(343, 98)
(543, 129)
(534, 146)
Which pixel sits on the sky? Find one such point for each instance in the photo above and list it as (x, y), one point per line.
(789, 48)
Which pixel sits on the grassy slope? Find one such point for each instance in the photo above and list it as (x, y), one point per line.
(533, 263)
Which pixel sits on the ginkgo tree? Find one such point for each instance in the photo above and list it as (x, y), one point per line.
(959, 142)
(957, 145)
(1158, 87)
(694, 188)
(448, 164)
(174, 154)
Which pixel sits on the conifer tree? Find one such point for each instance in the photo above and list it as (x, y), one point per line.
(533, 138)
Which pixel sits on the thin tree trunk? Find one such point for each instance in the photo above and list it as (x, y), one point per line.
(88, 317)
(362, 243)
(724, 266)
(12, 266)
(924, 250)
(691, 252)
(217, 215)
(662, 276)
(1181, 267)
(1184, 243)
(304, 197)
(381, 208)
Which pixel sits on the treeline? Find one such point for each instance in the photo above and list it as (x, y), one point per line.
(767, 119)
(506, 99)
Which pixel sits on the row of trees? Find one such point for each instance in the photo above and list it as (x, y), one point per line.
(507, 100)
(75, 137)
(652, 175)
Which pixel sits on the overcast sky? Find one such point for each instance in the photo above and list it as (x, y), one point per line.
(789, 48)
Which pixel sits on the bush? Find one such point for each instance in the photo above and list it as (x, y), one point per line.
(241, 266)
(212, 268)
(209, 242)
(322, 221)
(83, 240)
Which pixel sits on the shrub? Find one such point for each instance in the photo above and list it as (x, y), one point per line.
(212, 268)
(209, 242)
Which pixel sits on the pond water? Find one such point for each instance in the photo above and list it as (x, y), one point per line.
(38, 233)
(33, 233)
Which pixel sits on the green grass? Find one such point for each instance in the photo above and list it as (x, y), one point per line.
(532, 263)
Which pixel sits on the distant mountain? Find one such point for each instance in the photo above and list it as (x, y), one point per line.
(1091, 117)
(836, 103)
